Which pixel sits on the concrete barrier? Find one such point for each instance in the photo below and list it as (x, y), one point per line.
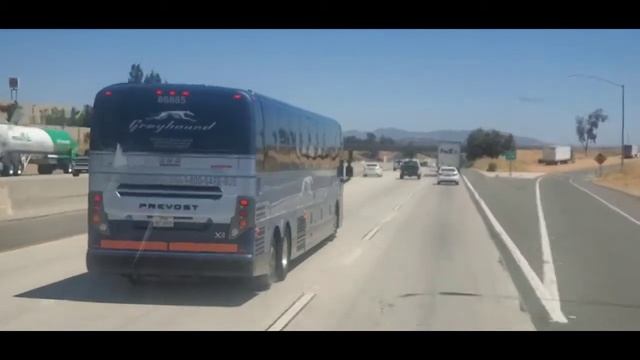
(5, 201)
(29, 196)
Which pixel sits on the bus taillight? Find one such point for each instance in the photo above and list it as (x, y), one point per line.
(96, 211)
(243, 218)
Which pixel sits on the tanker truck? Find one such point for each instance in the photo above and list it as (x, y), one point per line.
(50, 149)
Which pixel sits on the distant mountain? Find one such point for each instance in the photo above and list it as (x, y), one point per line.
(433, 137)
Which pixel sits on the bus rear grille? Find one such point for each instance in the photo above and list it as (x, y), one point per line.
(170, 191)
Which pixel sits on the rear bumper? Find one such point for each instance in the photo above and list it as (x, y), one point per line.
(169, 264)
(449, 180)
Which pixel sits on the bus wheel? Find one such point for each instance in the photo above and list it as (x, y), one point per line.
(18, 168)
(336, 224)
(282, 267)
(67, 168)
(263, 282)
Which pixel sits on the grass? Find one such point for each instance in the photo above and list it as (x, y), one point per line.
(527, 161)
(627, 180)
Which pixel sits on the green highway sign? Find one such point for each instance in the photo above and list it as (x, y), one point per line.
(510, 155)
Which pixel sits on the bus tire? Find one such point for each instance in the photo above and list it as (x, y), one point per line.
(76, 173)
(263, 282)
(66, 167)
(18, 168)
(8, 169)
(336, 224)
(283, 254)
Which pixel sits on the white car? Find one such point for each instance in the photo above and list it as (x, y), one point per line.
(448, 174)
(372, 169)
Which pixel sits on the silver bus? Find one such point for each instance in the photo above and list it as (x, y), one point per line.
(195, 180)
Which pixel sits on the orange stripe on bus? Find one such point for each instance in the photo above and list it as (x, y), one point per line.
(133, 245)
(203, 247)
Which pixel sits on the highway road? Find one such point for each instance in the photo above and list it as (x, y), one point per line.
(411, 255)
(592, 237)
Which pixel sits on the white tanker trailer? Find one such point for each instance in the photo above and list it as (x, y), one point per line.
(50, 149)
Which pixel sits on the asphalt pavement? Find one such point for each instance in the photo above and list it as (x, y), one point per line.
(595, 246)
(410, 255)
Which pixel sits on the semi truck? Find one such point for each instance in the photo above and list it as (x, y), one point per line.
(49, 149)
(449, 155)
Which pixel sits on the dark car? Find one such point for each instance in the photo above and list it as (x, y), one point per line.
(397, 164)
(410, 168)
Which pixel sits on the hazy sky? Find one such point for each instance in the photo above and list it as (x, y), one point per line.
(512, 80)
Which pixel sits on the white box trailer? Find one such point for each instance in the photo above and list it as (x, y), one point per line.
(556, 154)
(631, 151)
(449, 155)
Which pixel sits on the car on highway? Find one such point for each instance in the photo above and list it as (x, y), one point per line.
(397, 164)
(372, 169)
(448, 174)
(411, 168)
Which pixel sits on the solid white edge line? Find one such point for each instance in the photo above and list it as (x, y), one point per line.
(291, 312)
(552, 307)
(548, 268)
(629, 217)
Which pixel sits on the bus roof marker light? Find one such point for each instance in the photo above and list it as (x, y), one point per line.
(185, 93)
(237, 97)
(172, 93)
(159, 92)
(108, 93)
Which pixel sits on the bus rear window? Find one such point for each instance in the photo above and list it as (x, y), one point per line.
(140, 120)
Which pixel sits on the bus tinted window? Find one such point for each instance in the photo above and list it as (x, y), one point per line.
(206, 121)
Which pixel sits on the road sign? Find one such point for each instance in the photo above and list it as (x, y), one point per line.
(600, 158)
(510, 155)
(13, 83)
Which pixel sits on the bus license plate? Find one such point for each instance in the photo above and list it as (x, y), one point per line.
(162, 221)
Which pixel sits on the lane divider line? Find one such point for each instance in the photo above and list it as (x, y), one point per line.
(372, 233)
(552, 306)
(629, 217)
(548, 268)
(283, 320)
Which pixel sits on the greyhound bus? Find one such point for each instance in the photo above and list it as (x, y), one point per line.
(195, 180)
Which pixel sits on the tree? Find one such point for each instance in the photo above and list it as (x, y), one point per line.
(136, 74)
(474, 144)
(409, 151)
(152, 78)
(386, 141)
(581, 132)
(488, 143)
(587, 129)
(508, 143)
(371, 138)
(84, 118)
